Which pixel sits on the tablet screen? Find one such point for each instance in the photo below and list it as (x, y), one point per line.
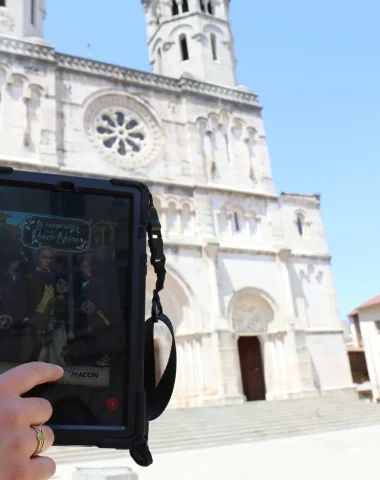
(63, 296)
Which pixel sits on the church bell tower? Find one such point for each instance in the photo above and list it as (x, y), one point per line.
(22, 19)
(191, 38)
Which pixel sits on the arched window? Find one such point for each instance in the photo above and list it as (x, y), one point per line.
(175, 9)
(227, 142)
(159, 60)
(237, 222)
(300, 224)
(2, 3)
(214, 46)
(185, 6)
(186, 219)
(210, 8)
(32, 11)
(202, 5)
(184, 47)
(172, 217)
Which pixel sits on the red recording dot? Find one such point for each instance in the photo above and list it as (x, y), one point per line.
(112, 404)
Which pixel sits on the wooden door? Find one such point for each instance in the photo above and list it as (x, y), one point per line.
(251, 368)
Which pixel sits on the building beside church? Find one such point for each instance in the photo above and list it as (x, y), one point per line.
(364, 352)
(250, 288)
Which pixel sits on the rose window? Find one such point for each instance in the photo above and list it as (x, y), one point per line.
(121, 132)
(123, 129)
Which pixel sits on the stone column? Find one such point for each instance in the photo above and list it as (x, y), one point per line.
(282, 259)
(211, 257)
(229, 367)
(194, 5)
(166, 9)
(305, 364)
(223, 340)
(300, 378)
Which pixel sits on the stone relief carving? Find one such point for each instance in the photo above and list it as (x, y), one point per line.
(25, 102)
(227, 140)
(309, 274)
(7, 23)
(123, 130)
(172, 107)
(319, 277)
(33, 135)
(65, 91)
(201, 38)
(249, 320)
(167, 46)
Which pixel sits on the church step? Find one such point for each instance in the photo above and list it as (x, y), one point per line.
(254, 421)
(263, 429)
(86, 455)
(234, 413)
(175, 443)
(190, 424)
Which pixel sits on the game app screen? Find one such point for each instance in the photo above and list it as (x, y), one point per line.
(63, 297)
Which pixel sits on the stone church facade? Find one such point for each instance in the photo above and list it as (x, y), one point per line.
(250, 288)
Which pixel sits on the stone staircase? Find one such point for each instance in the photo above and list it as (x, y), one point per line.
(249, 422)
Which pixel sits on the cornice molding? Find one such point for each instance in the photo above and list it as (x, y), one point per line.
(106, 70)
(27, 49)
(300, 199)
(323, 256)
(323, 330)
(201, 187)
(181, 85)
(233, 95)
(228, 248)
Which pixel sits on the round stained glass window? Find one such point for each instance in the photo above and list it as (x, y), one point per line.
(123, 129)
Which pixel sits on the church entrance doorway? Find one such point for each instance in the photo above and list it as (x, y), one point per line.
(252, 370)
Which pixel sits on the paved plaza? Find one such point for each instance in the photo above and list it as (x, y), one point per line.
(350, 454)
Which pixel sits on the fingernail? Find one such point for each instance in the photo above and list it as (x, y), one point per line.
(61, 371)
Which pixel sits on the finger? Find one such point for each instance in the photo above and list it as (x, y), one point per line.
(32, 440)
(41, 468)
(24, 412)
(23, 378)
(37, 410)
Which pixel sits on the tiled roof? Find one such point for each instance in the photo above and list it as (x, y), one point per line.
(369, 303)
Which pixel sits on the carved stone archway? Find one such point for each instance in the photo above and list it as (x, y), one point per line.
(248, 319)
(251, 314)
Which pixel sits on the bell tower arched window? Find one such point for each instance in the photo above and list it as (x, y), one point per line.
(210, 8)
(300, 224)
(175, 9)
(214, 46)
(184, 47)
(2, 3)
(202, 5)
(32, 11)
(185, 6)
(159, 61)
(237, 222)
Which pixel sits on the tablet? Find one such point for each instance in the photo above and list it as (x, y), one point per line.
(72, 292)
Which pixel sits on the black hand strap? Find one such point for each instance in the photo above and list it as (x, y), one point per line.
(157, 396)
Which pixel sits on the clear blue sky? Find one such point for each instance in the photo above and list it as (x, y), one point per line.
(315, 65)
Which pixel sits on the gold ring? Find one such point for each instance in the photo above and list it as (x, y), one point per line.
(41, 437)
